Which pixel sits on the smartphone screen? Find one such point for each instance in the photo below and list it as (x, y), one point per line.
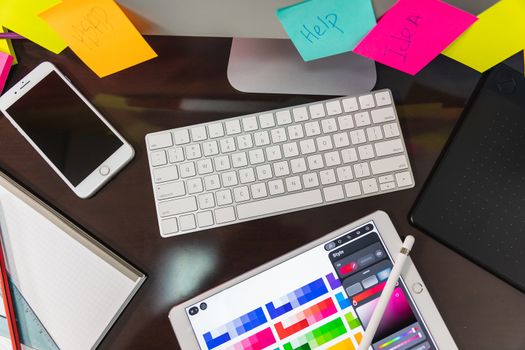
(64, 128)
(320, 299)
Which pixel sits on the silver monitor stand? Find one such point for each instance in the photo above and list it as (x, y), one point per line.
(275, 66)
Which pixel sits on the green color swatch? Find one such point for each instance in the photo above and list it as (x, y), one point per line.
(319, 336)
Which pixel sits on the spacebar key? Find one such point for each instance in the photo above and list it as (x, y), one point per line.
(279, 204)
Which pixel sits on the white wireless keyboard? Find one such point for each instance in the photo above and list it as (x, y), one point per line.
(243, 168)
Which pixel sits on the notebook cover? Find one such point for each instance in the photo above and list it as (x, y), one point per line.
(474, 201)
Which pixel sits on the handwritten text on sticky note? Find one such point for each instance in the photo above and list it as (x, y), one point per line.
(320, 28)
(5, 65)
(413, 32)
(100, 34)
(498, 34)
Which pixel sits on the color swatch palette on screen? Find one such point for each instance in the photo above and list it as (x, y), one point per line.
(297, 298)
(235, 328)
(305, 318)
(318, 336)
(258, 341)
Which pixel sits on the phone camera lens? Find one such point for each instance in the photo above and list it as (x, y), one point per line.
(194, 311)
(203, 306)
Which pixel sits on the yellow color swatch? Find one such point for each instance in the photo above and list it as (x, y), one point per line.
(498, 34)
(7, 47)
(100, 34)
(344, 345)
(21, 16)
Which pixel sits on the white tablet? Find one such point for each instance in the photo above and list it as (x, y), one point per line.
(320, 296)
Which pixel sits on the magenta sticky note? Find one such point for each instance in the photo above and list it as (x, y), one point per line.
(5, 65)
(413, 32)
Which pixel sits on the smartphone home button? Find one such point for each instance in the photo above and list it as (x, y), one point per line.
(103, 170)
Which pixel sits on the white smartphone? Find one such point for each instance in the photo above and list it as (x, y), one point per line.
(320, 296)
(65, 129)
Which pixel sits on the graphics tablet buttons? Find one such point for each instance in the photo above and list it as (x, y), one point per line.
(103, 170)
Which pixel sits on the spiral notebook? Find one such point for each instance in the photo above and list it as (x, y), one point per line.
(76, 287)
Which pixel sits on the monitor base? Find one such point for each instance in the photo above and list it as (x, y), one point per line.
(275, 66)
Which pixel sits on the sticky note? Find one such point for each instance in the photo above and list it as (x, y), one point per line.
(413, 32)
(100, 34)
(7, 47)
(321, 28)
(21, 16)
(498, 34)
(5, 65)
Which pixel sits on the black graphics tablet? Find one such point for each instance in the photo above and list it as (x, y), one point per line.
(474, 202)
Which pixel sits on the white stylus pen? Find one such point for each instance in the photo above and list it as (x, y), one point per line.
(390, 285)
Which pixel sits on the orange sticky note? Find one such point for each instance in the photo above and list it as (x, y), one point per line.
(100, 34)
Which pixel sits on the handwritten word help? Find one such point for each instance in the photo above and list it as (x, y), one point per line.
(316, 32)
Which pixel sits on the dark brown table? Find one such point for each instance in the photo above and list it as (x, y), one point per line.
(187, 84)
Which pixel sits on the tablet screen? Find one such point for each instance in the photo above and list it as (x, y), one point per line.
(320, 299)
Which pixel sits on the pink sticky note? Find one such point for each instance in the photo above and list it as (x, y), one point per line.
(413, 32)
(5, 65)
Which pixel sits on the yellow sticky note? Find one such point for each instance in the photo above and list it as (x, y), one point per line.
(21, 16)
(498, 34)
(7, 47)
(100, 34)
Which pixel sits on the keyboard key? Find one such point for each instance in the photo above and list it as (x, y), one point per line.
(366, 101)
(239, 160)
(383, 98)
(298, 165)
(283, 117)
(171, 190)
(382, 115)
(276, 187)
(210, 148)
(327, 176)
(353, 189)
(204, 166)
(362, 119)
(273, 153)
(246, 175)
(233, 127)
(250, 124)
(386, 165)
(266, 121)
(341, 140)
(187, 170)
(194, 186)
(256, 156)
(165, 174)
(361, 170)
(300, 114)
(169, 226)
(344, 173)
(332, 158)
(290, 150)
(264, 172)
(315, 162)
(350, 104)
(386, 178)
(177, 206)
(391, 130)
(227, 145)
(262, 138)
(224, 197)
(293, 183)
(229, 179)
(193, 151)
(404, 179)
(176, 155)
(374, 133)
(345, 122)
(329, 125)
(222, 163)
(205, 219)
(187, 222)
(357, 136)
(312, 128)
(224, 215)
(365, 152)
(279, 204)
(295, 132)
(212, 182)
(181, 137)
(281, 168)
(215, 130)
(158, 158)
(258, 190)
(369, 186)
(324, 143)
(333, 193)
(334, 107)
(317, 111)
(278, 135)
(244, 142)
(389, 147)
(157, 141)
(241, 194)
(387, 186)
(310, 180)
(349, 155)
(198, 134)
(206, 201)
(307, 146)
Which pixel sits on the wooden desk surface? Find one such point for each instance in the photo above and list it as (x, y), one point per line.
(187, 84)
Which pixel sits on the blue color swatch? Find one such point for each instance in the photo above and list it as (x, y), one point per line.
(342, 300)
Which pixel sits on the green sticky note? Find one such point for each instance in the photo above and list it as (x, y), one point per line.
(321, 28)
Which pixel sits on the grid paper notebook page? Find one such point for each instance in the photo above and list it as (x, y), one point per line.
(74, 292)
